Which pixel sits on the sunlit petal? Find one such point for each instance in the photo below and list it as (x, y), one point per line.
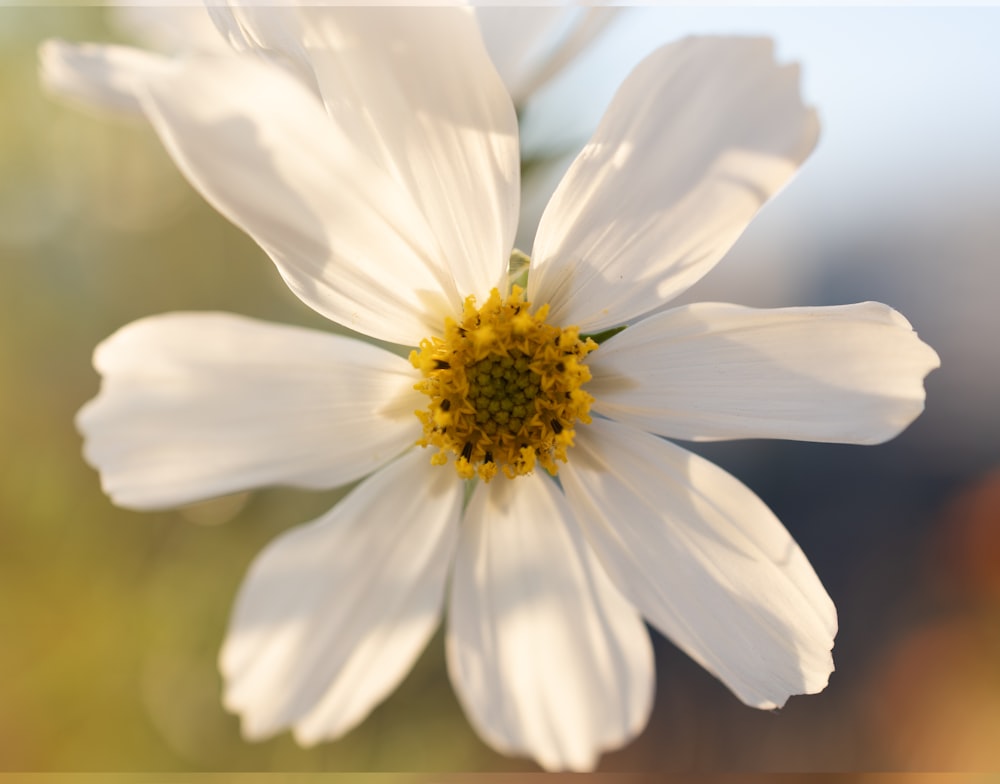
(333, 614)
(852, 373)
(96, 76)
(413, 92)
(697, 138)
(198, 405)
(704, 560)
(547, 658)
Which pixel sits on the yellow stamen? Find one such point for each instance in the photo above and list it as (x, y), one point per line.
(504, 388)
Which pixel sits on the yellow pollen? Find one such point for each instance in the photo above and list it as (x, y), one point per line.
(504, 388)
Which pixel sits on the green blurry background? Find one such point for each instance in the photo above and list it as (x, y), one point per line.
(110, 620)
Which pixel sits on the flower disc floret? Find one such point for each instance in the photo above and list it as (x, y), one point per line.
(504, 387)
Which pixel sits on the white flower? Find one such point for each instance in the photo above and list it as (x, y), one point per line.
(385, 206)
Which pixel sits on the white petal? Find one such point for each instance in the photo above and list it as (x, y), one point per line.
(332, 615)
(413, 92)
(181, 26)
(852, 373)
(198, 405)
(260, 148)
(704, 560)
(438, 115)
(546, 656)
(697, 138)
(272, 31)
(96, 76)
(530, 44)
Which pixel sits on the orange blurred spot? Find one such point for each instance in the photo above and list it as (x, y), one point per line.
(967, 549)
(935, 699)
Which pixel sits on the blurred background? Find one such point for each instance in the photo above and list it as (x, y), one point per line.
(110, 620)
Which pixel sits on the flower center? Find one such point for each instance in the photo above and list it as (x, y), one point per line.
(504, 388)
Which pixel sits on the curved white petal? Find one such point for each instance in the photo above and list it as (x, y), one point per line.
(97, 76)
(697, 138)
(531, 44)
(260, 148)
(852, 373)
(195, 405)
(271, 30)
(332, 615)
(704, 560)
(413, 92)
(547, 658)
